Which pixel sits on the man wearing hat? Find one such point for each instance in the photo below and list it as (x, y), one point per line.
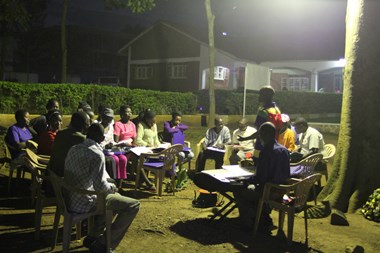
(120, 159)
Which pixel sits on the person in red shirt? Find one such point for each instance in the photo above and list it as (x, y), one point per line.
(47, 137)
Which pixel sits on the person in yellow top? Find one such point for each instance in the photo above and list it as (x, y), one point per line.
(287, 137)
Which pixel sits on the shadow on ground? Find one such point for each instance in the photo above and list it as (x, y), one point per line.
(206, 232)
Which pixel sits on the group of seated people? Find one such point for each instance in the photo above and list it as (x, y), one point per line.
(272, 149)
(77, 152)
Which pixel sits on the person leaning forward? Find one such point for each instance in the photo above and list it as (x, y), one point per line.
(85, 168)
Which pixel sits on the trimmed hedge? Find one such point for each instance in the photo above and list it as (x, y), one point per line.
(231, 103)
(33, 97)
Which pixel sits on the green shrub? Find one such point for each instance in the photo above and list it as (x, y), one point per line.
(231, 103)
(371, 209)
(33, 97)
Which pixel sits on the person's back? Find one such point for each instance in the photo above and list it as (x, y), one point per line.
(67, 138)
(273, 165)
(64, 140)
(85, 169)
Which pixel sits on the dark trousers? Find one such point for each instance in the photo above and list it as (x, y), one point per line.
(209, 154)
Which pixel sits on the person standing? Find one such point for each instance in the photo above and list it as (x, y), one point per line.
(267, 112)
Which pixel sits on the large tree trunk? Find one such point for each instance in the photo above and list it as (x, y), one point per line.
(210, 19)
(356, 166)
(64, 41)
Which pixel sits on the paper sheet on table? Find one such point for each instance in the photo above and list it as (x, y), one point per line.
(220, 174)
(216, 149)
(230, 171)
(237, 171)
(139, 150)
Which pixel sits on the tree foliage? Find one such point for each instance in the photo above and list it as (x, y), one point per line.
(13, 18)
(136, 6)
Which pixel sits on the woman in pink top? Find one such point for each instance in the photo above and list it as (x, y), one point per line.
(125, 133)
(124, 130)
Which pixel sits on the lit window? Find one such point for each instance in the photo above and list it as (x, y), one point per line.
(143, 72)
(177, 71)
(221, 73)
(295, 83)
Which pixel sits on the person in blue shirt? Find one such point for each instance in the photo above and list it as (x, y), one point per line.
(272, 167)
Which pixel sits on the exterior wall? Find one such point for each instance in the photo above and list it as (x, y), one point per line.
(220, 60)
(161, 81)
(162, 43)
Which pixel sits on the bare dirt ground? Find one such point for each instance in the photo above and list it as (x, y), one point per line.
(171, 224)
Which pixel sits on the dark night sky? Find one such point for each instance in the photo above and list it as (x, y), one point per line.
(258, 30)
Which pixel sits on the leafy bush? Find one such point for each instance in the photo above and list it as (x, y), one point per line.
(229, 102)
(33, 97)
(371, 209)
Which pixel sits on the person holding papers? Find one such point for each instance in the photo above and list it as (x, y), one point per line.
(119, 159)
(147, 136)
(214, 145)
(242, 149)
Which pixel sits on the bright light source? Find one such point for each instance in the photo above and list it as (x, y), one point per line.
(342, 62)
(224, 33)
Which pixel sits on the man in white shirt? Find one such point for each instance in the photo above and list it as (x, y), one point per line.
(311, 141)
(241, 148)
